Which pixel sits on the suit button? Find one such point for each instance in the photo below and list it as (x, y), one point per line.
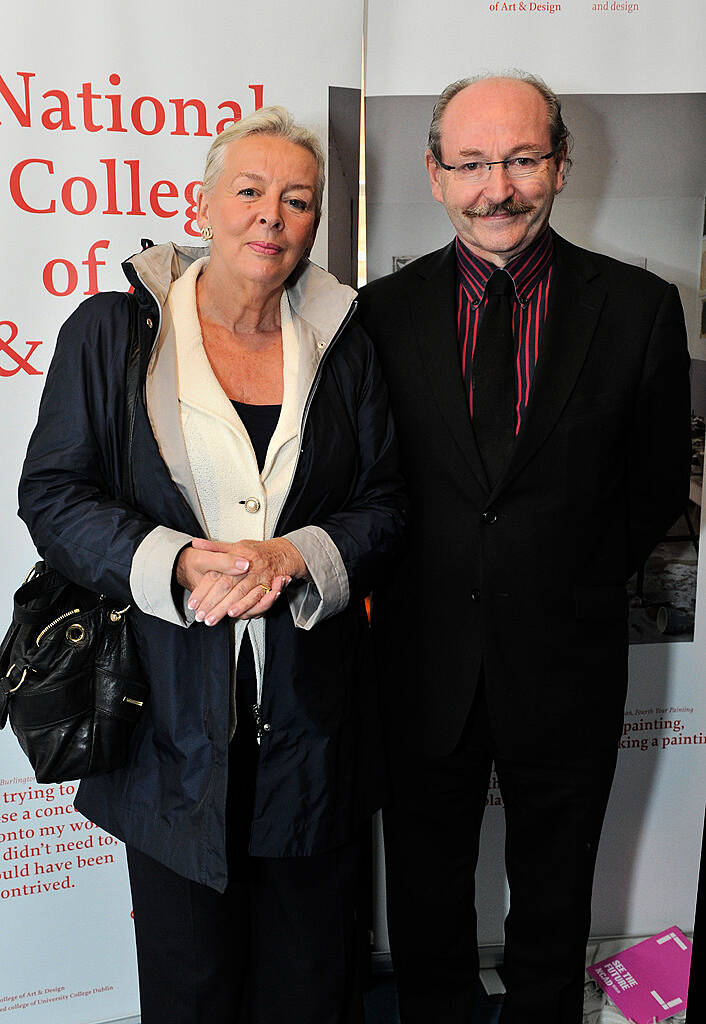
(489, 518)
(475, 595)
(252, 505)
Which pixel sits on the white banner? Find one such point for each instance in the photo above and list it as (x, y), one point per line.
(416, 48)
(106, 114)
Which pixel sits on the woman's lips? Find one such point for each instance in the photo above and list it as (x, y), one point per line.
(266, 248)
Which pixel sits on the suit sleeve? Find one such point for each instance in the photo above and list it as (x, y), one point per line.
(69, 489)
(660, 457)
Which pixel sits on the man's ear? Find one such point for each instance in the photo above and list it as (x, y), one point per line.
(560, 159)
(434, 172)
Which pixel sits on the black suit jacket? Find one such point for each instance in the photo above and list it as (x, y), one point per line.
(528, 577)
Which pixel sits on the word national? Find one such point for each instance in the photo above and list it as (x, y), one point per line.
(60, 110)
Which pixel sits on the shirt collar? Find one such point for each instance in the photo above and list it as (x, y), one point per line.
(526, 269)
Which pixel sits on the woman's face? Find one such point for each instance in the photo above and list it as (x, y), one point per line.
(261, 209)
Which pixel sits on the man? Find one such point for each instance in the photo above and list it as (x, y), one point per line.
(541, 399)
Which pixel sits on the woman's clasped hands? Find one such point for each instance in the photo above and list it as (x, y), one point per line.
(241, 580)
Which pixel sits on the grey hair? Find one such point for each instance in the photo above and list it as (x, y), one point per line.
(560, 136)
(266, 121)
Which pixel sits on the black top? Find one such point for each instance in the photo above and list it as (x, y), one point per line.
(260, 422)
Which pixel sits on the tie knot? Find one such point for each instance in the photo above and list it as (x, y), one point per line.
(500, 283)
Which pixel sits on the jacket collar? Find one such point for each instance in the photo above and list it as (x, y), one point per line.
(575, 302)
(319, 305)
(432, 293)
(315, 296)
(576, 299)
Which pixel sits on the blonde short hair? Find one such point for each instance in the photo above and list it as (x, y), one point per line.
(266, 121)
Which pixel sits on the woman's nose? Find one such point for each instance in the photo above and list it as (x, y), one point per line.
(270, 214)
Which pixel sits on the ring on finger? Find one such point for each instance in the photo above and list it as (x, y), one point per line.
(265, 587)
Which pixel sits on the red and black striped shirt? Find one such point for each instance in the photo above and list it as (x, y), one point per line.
(531, 272)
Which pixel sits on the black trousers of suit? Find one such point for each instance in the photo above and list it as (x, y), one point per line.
(554, 812)
(280, 944)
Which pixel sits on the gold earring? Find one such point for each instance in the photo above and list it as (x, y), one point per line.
(207, 232)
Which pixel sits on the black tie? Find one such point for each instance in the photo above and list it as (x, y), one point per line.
(494, 377)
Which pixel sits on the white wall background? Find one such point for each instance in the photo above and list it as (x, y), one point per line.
(416, 48)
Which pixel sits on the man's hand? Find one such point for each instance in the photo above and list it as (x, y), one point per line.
(242, 580)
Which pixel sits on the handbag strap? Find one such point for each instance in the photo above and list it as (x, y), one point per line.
(47, 584)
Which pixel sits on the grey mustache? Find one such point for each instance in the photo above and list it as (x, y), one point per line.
(510, 206)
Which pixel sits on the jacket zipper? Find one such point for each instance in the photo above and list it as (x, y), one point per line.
(257, 708)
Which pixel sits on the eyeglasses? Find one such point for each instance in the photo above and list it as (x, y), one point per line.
(521, 166)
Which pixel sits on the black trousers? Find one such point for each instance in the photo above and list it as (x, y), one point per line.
(280, 944)
(554, 813)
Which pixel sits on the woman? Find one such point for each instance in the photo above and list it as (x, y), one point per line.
(264, 459)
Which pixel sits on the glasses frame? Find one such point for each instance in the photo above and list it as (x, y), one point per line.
(492, 163)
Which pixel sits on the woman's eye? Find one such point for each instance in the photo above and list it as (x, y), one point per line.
(248, 192)
(298, 204)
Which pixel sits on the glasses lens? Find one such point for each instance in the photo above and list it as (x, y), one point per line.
(523, 166)
(472, 172)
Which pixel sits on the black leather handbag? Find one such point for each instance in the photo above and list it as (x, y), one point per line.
(70, 678)
(73, 687)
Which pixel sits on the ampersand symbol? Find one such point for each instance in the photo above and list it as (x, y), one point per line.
(22, 362)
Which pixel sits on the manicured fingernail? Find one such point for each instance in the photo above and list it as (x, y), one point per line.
(193, 604)
(232, 612)
(210, 620)
(200, 616)
(242, 565)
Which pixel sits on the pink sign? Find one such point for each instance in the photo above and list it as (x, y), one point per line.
(648, 982)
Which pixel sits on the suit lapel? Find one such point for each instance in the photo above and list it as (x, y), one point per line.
(433, 302)
(575, 302)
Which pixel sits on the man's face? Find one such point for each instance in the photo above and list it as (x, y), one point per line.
(496, 119)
